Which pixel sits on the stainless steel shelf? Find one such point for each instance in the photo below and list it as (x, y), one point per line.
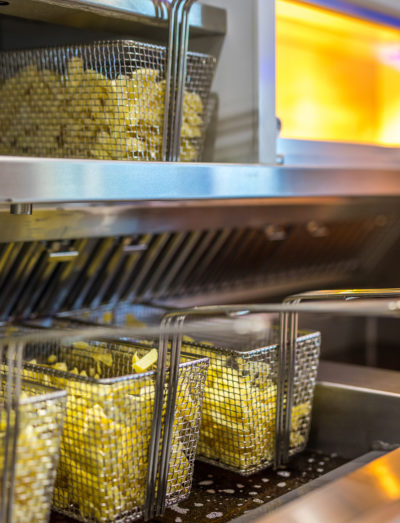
(37, 180)
(120, 16)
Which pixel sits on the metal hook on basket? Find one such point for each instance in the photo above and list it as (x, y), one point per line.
(288, 336)
(175, 76)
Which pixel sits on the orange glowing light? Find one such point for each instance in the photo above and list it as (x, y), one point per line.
(338, 77)
(388, 480)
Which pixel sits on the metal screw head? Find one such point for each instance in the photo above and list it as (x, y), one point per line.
(21, 208)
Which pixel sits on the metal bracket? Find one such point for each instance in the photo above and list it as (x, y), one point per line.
(21, 208)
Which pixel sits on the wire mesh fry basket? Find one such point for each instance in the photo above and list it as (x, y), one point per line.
(238, 429)
(108, 427)
(27, 479)
(239, 409)
(101, 101)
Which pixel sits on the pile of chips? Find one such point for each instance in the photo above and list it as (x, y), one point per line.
(84, 114)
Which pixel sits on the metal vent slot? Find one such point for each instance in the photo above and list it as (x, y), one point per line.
(147, 284)
(222, 260)
(169, 258)
(113, 268)
(145, 266)
(184, 278)
(90, 273)
(124, 270)
(18, 276)
(268, 250)
(241, 260)
(57, 288)
(44, 276)
(110, 251)
(41, 278)
(206, 265)
(184, 254)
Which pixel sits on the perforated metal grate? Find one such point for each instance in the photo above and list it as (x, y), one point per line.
(103, 101)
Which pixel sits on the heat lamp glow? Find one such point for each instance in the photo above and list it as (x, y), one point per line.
(338, 77)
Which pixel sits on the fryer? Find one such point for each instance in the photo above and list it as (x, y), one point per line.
(123, 231)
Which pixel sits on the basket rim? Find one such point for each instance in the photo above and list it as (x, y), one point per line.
(305, 336)
(50, 392)
(114, 41)
(116, 379)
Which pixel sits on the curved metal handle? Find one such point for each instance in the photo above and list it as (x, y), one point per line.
(175, 76)
(161, 432)
(287, 357)
(343, 293)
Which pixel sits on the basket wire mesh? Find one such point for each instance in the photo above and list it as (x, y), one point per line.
(29, 449)
(238, 430)
(239, 408)
(102, 101)
(109, 425)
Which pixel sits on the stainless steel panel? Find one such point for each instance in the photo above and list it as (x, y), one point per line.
(43, 180)
(355, 408)
(329, 154)
(367, 494)
(195, 263)
(255, 514)
(83, 220)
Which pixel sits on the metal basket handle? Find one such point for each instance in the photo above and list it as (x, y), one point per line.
(288, 333)
(10, 403)
(175, 76)
(158, 469)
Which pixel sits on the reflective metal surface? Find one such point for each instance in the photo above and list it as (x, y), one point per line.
(331, 154)
(355, 409)
(21, 208)
(29, 180)
(118, 16)
(85, 256)
(358, 497)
